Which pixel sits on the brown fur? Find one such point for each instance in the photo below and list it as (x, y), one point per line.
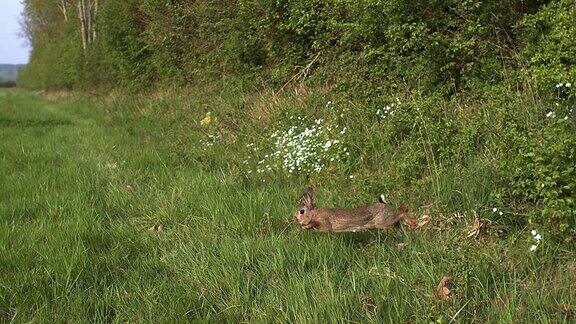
(375, 216)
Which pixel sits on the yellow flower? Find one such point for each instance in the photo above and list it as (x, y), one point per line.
(207, 120)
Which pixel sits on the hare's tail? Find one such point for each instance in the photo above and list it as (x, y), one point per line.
(382, 199)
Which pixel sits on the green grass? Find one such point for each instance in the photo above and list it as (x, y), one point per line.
(82, 182)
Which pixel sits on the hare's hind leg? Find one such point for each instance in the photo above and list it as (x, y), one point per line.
(387, 221)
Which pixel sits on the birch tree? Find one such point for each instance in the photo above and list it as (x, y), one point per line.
(87, 11)
(63, 6)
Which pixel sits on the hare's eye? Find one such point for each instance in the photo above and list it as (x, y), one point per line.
(302, 211)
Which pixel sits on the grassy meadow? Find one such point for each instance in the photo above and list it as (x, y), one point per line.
(105, 216)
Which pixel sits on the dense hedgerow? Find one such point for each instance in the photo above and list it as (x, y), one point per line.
(356, 44)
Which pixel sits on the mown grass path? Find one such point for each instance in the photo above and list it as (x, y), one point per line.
(81, 186)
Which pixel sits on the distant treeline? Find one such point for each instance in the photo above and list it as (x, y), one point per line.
(9, 74)
(7, 84)
(361, 46)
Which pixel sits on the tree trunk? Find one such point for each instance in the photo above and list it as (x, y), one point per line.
(87, 10)
(94, 20)
(82, 17)
(63, 8)
(88, 18)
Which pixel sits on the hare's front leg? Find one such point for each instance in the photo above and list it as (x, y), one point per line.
(321, 225)
(311, 225)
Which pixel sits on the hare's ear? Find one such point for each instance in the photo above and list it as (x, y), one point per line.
(307, 199)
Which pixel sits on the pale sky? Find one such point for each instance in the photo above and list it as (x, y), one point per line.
(13, 49)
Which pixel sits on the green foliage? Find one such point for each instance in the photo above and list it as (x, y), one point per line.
(58, 66)
(549, 44)
(442, 45)
(120, 55)
(540, 176)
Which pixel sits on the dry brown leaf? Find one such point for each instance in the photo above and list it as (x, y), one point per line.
(156, 228)
(374, 271)
(424, 220)
(400, 246)
(369, 304)
(410, 223)
(456, 216)
(272, 280)
(442, 292)
(265, 227)
(474, 229)
(478, 227)
(414, 224)
(567, 309)
(504, 301)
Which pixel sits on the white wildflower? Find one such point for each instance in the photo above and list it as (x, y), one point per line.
(538, 237)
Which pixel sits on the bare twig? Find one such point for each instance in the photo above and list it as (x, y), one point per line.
(302, 73)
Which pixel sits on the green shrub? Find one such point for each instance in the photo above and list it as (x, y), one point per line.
(539, 174)
(548, 44)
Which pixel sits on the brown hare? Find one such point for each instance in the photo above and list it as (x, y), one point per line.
(375, 216)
